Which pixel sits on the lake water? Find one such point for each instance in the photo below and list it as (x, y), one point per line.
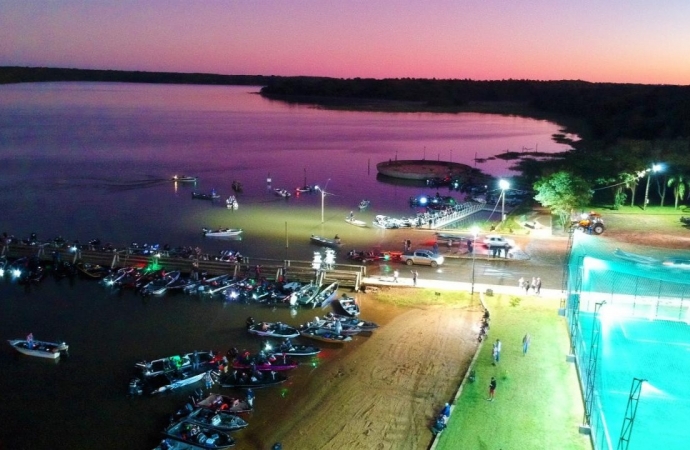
(94, 160)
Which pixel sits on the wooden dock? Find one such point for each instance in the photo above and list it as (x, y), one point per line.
(348, 275)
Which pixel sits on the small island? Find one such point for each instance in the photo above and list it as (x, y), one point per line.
(421, 169)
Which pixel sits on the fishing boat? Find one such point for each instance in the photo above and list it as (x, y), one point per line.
(41, 349)
(305, 295)
(184, 179)
(364, 325)
(218, 419)
(164, 382)
(147, 368)
(221, 232)
(352, 221)
(326, 295)
(264, 362)
(244, 378)
(271, 329)
(323, 335)
(219, 402)
(325, 242)
(349, 305)
(288, 348)
(199, 436)
(159, 286)
(282, 192)
(334, 326)
(213, 195)
(92, 271)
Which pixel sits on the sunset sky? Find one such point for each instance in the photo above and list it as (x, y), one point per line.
(630, 41)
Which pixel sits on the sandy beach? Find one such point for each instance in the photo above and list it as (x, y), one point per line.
(383, 392)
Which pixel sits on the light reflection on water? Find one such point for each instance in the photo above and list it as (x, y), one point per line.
(94, 160)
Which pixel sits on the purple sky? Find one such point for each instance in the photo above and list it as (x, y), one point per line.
(633, 41)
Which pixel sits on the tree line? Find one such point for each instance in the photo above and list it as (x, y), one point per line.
(624, 129)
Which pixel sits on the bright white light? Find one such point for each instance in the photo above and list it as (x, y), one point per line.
(475, 231)
(233, 294)
(422, 200)
(503, 184)
(2, 272)
(16, 273)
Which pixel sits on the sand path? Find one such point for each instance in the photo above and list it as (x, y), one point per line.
(384, 393)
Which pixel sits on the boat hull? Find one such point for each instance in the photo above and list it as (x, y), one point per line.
(40, 349)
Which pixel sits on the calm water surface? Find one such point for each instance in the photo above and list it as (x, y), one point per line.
(93, 160)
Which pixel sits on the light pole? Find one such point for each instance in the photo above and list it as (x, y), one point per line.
(503, 184)
(654, 168)
(475, 230)
(323, 197)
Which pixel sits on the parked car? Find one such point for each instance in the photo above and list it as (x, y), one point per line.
(494, 240)
(422, 257)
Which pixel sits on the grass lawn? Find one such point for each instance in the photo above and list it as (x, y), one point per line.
(538, 401)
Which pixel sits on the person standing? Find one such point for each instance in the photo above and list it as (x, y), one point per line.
(492, 389)
(525, 344)
(521, 282)
(533, 284)
(395, 275)
(537, 286)
(526, 286)
(414, 278)
(498, 350)
(494, 353)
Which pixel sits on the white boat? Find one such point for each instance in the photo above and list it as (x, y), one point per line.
(364, 204)
(184, 179)
(282, 192)
(358, 223)
(221, 232)
(42, 349)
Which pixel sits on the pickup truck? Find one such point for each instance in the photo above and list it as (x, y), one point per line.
(422, 257)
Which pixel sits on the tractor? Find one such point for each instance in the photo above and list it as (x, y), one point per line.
(590, 222)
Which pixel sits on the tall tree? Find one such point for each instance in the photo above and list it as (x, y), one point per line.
(679, 184)
(563, 192)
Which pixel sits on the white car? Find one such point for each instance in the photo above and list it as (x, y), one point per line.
(494, 240)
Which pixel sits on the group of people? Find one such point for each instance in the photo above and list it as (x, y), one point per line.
(535, 285)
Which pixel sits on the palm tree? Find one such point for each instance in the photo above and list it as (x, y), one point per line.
(679, 185)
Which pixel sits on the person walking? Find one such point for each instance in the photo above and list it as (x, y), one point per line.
(526, 286)
(494, 353)
(414, 278)
(492, 389)
(521, 283)
(498, 350)
(395, 275)
(537, 286)
(525, 344)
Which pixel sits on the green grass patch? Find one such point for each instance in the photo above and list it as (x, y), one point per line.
(425, 297)
(538, 401)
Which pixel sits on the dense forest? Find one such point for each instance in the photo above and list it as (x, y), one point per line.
(624, 128)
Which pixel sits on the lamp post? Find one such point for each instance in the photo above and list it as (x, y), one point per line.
(475, 230)
(503, 184)
(323, 197)
(653, 169)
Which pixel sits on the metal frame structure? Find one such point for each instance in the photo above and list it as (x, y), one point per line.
(592, 362)
(630, 413)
